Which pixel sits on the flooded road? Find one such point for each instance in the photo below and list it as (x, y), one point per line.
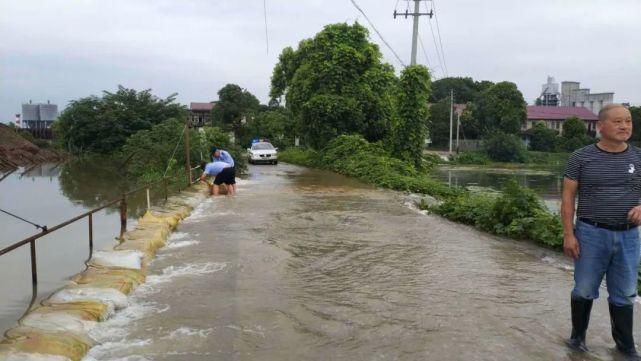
(307, 265)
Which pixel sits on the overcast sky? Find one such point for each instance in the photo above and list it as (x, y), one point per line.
(60, 50)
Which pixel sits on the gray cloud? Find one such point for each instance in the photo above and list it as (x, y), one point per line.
(65, 49)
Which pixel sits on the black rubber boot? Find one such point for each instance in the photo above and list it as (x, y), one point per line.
(581, 308)
(621, 318)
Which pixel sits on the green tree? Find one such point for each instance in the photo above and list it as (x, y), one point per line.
(465, 89)
(542, 138)
(470, 125)
(411, 131)
(234, 104)
(504, 147)
(276, 124)
(439, 124)
(336, 84)
(574, 134)
(501, 107)
(103, 124)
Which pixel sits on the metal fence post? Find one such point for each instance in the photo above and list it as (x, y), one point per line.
(34, 269)
(164, 185)
(90, 233)
(123, 216)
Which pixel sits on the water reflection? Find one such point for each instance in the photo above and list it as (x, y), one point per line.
(548, 184)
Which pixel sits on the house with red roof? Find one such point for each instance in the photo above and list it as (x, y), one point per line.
(199, 113)
(553, 117)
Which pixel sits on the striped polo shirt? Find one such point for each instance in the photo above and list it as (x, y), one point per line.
(609, 183)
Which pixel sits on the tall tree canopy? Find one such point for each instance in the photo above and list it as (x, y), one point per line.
(103, 124)
(234, 103)
(465, 89)
(501, 107)
(335, 83)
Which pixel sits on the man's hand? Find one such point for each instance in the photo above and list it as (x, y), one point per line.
(635, 215)
(571, 246)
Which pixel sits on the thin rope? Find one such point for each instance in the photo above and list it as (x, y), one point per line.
(24, 220)
(174, 153)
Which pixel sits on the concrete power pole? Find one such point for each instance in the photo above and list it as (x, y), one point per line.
(415, 14)
(451, 116)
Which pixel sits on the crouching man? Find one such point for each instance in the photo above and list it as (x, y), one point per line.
(223, 173)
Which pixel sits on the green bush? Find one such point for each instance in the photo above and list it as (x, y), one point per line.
(516, 213)
(471, 158)
(503, 147)
(305, 157)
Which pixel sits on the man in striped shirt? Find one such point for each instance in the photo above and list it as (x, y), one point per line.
(605, 240)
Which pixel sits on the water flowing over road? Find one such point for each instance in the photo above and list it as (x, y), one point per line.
(307, 265)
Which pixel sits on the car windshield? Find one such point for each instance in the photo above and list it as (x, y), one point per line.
(262, 146)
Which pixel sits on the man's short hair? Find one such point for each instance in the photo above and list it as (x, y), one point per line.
(603, 113)
(213, 150)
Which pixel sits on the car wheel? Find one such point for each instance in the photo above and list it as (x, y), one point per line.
(275, 162)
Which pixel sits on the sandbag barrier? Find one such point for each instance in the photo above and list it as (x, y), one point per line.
(58, 329)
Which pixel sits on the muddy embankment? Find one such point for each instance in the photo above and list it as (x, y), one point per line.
(15, 151)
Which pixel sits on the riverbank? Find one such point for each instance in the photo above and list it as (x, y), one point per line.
(61, 326)
(16, 151)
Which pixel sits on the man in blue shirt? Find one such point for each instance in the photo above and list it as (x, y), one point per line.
(223, 175)
(224, 156)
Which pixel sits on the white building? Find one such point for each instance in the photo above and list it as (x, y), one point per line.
(572, 95)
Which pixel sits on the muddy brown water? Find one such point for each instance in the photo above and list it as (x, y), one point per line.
(307, 265)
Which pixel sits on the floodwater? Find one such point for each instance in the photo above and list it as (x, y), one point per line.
(307, 265)
(50, 194)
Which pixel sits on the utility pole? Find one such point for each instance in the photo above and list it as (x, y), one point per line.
(451, 116)
(187, 151)
(415, 14)
(458, 126)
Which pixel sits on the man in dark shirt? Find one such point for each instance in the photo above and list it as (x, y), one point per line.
(607, 178)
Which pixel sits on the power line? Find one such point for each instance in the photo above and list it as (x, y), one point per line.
(438, 53)
(438, 30)
(377, 32)
(427, 59)
(265, 15)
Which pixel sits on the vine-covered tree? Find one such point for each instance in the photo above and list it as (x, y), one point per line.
(335, 83)
(411, 131)
(103, 124)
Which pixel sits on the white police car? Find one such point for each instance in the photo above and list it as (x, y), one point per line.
(262, 152)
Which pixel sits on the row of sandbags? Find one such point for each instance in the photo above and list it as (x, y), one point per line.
(58, 329)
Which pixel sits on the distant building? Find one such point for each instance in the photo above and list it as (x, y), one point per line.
(553, 117)
(39, 116)
(200, 113)
(549, 94)
(572, 95)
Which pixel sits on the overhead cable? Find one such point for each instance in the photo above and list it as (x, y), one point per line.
(438, 30)
(266, 33)
(377, 32)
